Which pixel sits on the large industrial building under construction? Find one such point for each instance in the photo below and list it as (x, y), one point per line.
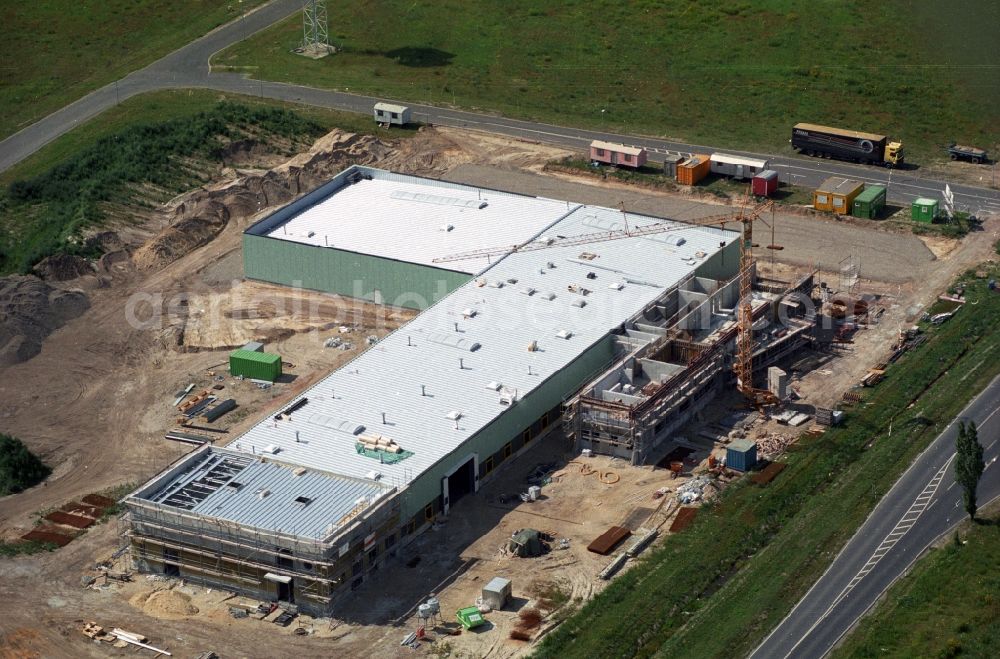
(625, 337)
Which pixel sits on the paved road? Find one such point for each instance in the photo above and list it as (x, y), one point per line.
(924, 504)
(188, 67)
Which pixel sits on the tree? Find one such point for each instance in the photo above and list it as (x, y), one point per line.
(19, 469)
(969, 465)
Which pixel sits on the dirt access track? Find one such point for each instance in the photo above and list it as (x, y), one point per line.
(96, 401)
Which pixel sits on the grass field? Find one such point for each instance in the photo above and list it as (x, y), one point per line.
(730, 73)
(949, 606)
(716, 589)
(55, 51)
(77, 177)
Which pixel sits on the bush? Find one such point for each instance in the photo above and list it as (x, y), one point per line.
(19, 469)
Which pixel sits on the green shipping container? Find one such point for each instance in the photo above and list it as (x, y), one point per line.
(869, 204)
(924, 210)
(255, 365)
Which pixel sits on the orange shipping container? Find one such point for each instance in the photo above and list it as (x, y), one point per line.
(693, 169)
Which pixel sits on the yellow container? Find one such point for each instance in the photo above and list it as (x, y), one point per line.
(837, 195)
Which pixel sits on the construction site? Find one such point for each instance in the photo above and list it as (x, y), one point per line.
(496, 388)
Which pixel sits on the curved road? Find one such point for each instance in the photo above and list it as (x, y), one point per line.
(923, 505)
(188, 67)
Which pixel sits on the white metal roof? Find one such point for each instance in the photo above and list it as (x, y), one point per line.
(619, 148)
(271, 496)
(391, 107)
(417, 220)
(429, 369)
(738, 160)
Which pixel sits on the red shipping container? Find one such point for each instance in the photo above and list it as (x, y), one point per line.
(765, 183)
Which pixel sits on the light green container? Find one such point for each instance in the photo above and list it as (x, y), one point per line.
(869, 204)
(924, 210)
(255, 365)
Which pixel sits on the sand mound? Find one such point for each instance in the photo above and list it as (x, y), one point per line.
(164, 604)
(198, 217)
(30, 310)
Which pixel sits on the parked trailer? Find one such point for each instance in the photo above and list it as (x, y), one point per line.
(871, 148)
(391, 114)
(736, 166)
(610, 153)
(973, 154)
(765, 183)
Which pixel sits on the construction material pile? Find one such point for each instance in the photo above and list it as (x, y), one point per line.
(772, 445)
(695, 489)
(380, 443)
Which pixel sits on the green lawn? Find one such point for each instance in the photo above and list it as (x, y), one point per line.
(55, 51)
(719, 587)
(143, 144)
(728, 73)
(948, 606)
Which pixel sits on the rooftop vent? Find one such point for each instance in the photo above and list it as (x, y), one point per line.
(512, 281)
(548, 296)
(483, 205)
(263, 493)
(447, 227)
(298, 471)
(454, 415)
(494, 385)
(674, 240)
(469, 313)
(564, 334)
(579, 303)
(508, 396)
(528, 290)
(302, 502)
(588, 256)
(270, 448)
(616, 285)
(310, 234)
(533, 346)
(234, 486)
(498, 283)
(373, 475)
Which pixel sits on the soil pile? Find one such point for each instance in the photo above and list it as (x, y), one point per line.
(198, 217)
(63, 267)
(168, 604)
(30, 310)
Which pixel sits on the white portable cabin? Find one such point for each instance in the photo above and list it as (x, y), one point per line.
(736, 166)
(391, 114)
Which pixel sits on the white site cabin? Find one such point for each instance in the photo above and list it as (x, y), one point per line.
(391, 114)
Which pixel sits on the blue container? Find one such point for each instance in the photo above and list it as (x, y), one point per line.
(741, 455)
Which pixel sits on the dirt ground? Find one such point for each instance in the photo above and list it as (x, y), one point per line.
(96, 401)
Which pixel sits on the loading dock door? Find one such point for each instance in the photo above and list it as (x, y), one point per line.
(462, 480)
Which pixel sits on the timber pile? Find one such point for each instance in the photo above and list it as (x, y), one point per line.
(380, 443)
(772, 445)
(119, 638)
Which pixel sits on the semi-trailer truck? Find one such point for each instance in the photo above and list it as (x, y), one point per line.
(872, 148)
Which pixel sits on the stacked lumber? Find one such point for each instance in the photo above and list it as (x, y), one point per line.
(379, 443)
